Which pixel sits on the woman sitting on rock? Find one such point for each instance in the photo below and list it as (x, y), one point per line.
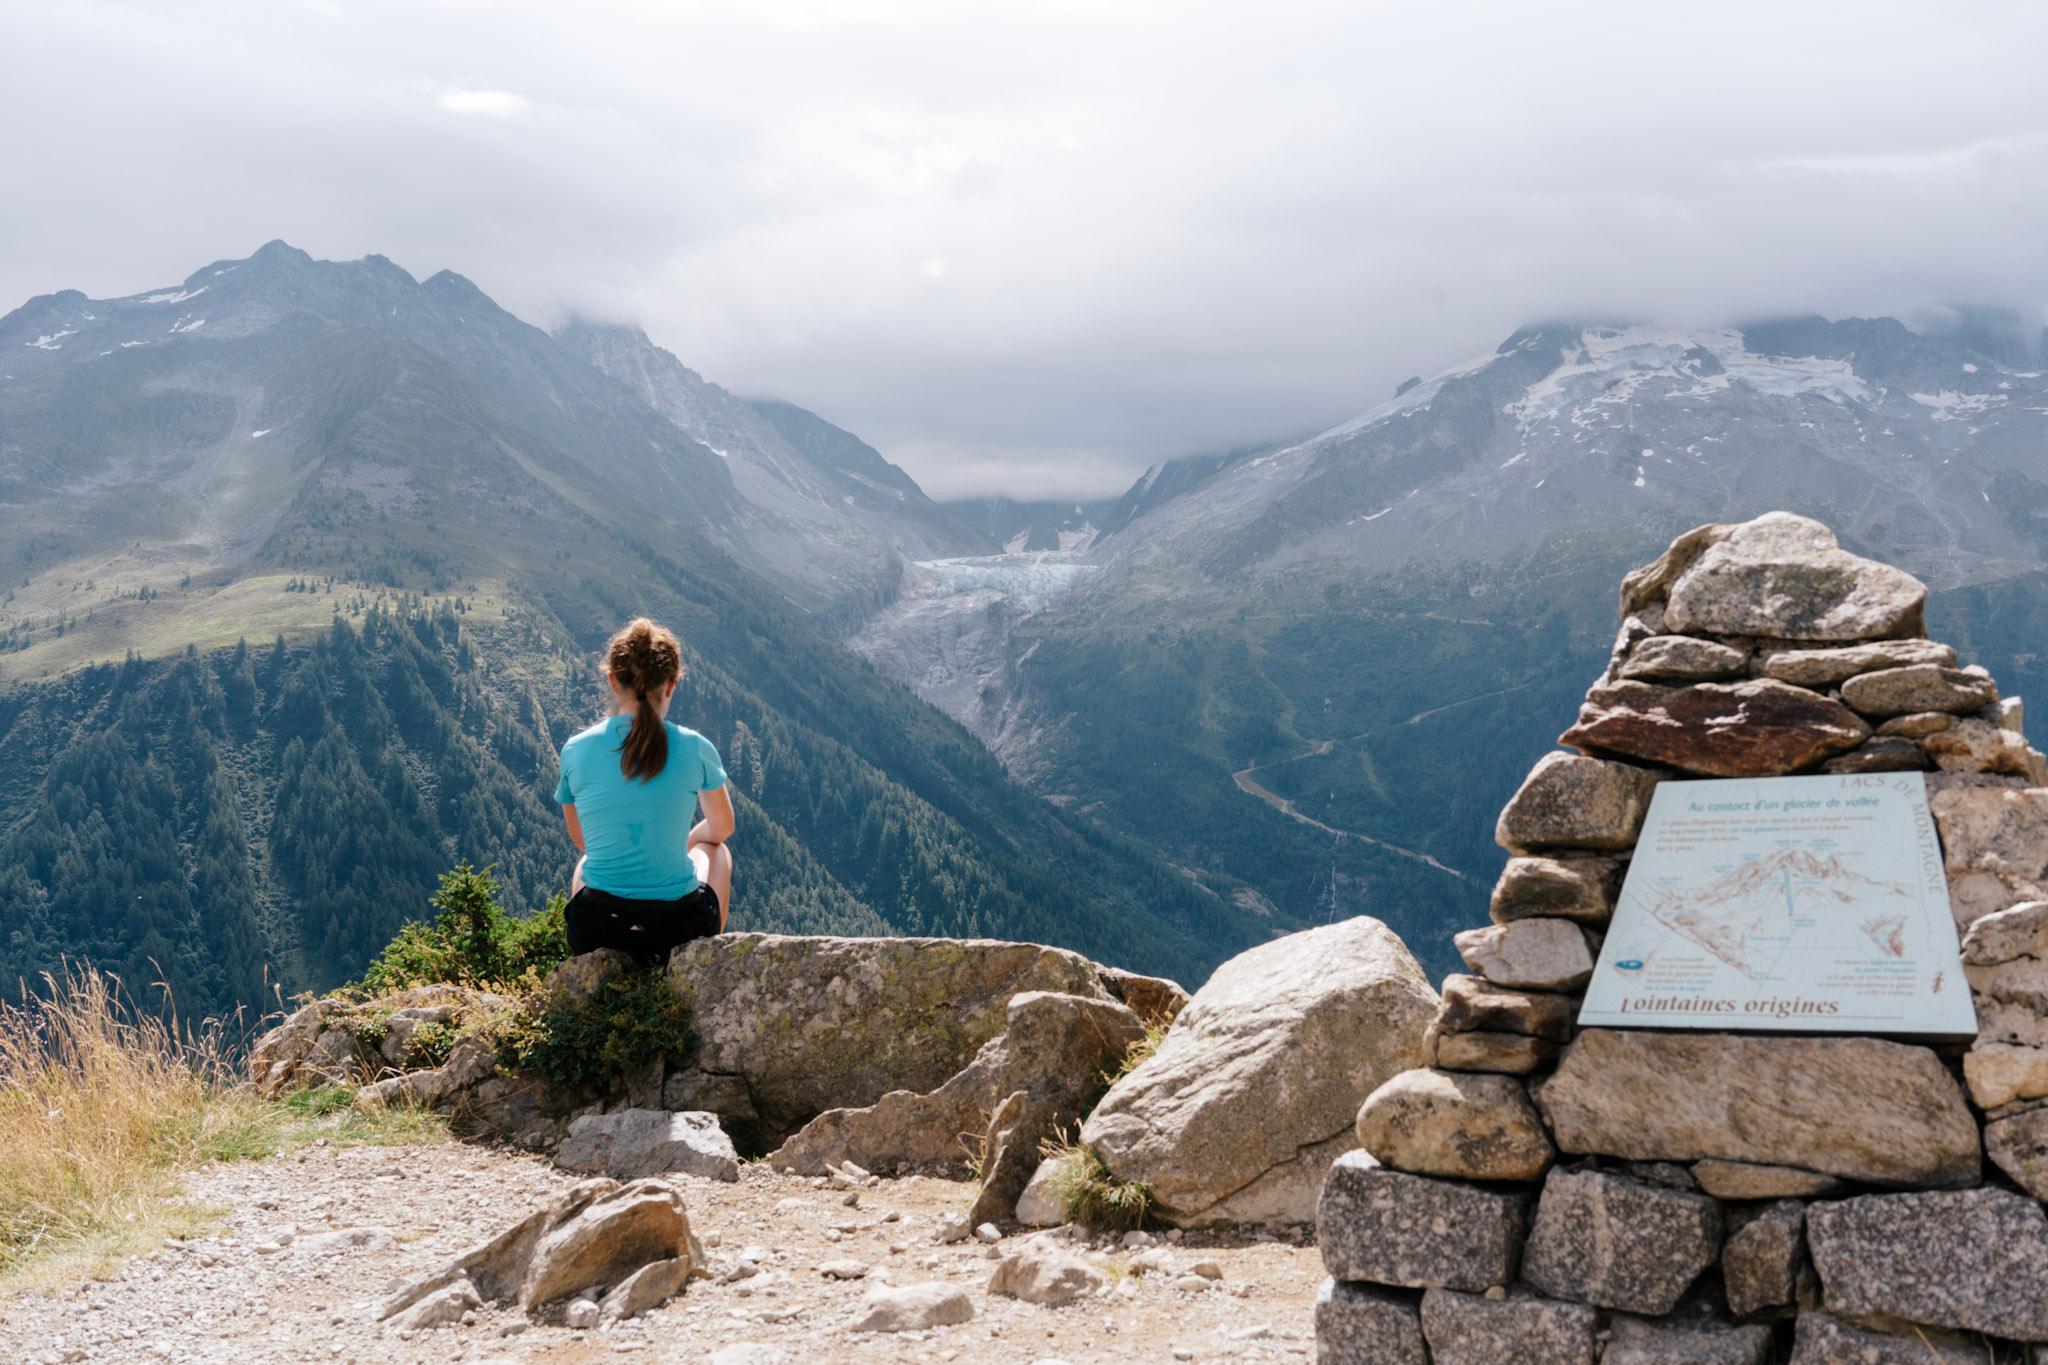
(631, 784)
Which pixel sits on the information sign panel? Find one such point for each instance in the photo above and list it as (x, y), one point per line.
(1780, 903)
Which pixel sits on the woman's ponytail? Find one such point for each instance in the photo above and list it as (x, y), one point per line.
(643, 659)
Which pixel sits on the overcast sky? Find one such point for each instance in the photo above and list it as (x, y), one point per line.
(1033, 247)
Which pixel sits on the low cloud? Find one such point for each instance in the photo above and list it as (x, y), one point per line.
(1035, 249)
(496, 103)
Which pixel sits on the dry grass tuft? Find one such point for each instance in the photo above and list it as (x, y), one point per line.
(1088, 1194)
(102, 1103)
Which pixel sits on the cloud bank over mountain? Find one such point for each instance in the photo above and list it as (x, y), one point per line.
(1032, 252)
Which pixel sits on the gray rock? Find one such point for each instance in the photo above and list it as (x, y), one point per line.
(1040, 1270)
(1039, 1205)
(647, 1288)
(2018, 1145)
(1757, 728)
(1970, 1259)
(1154, 999)
(1474, 1329)
(2002, 1073)
(1915, 688)
(2018, 981)
(1604, 1240)
(1463, 1125)
(1051, 1049)
(1747, 1180)
(1528, 954)
(1824, 1340)
(1509, 1054)
(442, 1306)
(1881, 755)
(578, 976)
(1827, 667)
(472, 1061)
(1408, 1230)
(1362, 1324)
(913, 1308)
(1684, 659)
(2000, 1021)
(595, 1234)
(1637, 1342)
(2004, 935)
(1860, 1108)
(1569, 801)
(1978, 746)
(1761, 1263)
(818, 1023)
(1255, 1088)
(1017, 1132)
(1472, 1004)
(1580, 888)
(1787, 577)
(631, 1143)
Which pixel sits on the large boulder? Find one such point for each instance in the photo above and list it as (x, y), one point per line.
(1758, 728)
(1054, 1048)
(1779, 576)
(818, 1023)
(1254, 1090)
(1861, 1108)
(1976, 1260)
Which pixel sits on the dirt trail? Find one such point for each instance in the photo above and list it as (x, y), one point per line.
(276, 1282)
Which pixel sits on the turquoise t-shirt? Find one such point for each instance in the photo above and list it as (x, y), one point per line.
(636, 834)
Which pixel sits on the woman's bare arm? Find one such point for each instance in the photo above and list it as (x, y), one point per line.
(716, 826)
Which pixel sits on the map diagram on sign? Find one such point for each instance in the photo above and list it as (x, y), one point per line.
(1810, 903)
(1753, 914)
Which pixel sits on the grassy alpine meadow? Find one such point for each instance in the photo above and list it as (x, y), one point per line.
(103, 1104)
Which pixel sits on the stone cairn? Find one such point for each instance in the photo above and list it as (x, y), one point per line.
(1543, 1193)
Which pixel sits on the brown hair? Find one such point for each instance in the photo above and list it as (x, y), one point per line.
(642, 659)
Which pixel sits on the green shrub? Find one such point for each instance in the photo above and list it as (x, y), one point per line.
(471, 941)
(591, 1042)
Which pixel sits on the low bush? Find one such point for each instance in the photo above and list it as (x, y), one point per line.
(471, 941)
(591, 1042)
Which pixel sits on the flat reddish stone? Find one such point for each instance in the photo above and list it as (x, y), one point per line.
(1758, 728)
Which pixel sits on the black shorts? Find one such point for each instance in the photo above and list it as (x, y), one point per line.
(646, 929)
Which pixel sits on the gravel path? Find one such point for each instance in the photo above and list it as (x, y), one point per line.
(317, 1238)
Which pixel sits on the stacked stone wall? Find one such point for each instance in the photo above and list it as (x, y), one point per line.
(1544, 1193)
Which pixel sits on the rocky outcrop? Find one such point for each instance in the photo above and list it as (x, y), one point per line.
(814, 1023)
(1256, 1087)
(1053, 1050)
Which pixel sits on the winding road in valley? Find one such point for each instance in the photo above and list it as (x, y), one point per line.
(1251, 786)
